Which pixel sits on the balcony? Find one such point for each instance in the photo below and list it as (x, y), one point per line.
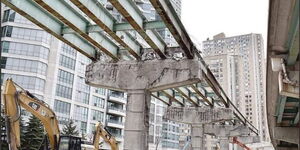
(115, 123)
(116, 111)
(117, 96)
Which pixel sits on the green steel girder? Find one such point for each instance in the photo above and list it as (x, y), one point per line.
(124, 26)
(32, 12)
(292, 99)
(291, 110)
(202, 95)
(147, 25)
(106, 21)
(280, 108)
(171, 95)
(162, 98)
(61, 10)
(293, 36)
(214, 84)
(169, 16)
(296, 120)
(185, 93)
(135, 18)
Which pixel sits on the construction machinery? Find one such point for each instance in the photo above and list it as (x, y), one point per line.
(15, 97)
(107, 137)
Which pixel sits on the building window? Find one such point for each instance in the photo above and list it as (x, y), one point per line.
(116, 94)
(100, 91)
(81, 85)
(83, 127)
(81, 113)
(98, 102)
(23, 65)
(25, 49)
(67, 62)
(82, 97)
(97, 115)
(115, 131)
(65, 77)
(63, 91)
(68, 50)
(27, 82)
(26, 34)
(11, 16)
(62, 107)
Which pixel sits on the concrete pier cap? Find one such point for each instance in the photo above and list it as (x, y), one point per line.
(152, 75)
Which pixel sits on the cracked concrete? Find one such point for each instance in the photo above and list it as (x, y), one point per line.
(153, 75)
(198, 115)
(139, 78)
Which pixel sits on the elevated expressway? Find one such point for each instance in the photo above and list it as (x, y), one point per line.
(90, 28)
(283, 74)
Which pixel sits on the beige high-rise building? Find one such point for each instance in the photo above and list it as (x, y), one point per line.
(238, 64)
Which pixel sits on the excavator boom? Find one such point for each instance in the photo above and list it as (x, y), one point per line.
(101, 132)
(15, 97)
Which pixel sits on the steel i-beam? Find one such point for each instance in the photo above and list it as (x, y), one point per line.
(103, 19)
(131, 13)
(75, 21)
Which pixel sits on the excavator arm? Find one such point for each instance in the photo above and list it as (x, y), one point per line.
(15, 97)
(101, 132)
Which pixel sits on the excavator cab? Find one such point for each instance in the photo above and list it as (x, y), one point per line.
(69, 143)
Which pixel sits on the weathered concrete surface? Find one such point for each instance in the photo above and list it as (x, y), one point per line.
(153, 75)
(248, 139)
(197, 137)
(137, 120)
(198, 115)
(288, 134)
(226, 130)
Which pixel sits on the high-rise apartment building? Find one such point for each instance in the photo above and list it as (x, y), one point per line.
(238, 65)
(55, 73)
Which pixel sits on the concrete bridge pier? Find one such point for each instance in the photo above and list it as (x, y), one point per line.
(137, 120)
(197, 137)
(138, 78)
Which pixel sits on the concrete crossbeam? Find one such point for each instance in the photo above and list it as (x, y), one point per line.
(198, 115)
(287, 134)
(248, 139)
(154, 75)
(227, 130)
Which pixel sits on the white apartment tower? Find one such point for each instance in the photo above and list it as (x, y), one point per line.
(238, 64)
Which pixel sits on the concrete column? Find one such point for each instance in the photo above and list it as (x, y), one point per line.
(197, 137)
(224, 143)
(137, 120)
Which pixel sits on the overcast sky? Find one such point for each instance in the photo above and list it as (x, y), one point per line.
(206, 18)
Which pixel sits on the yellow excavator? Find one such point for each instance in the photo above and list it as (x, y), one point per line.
(15, 97)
